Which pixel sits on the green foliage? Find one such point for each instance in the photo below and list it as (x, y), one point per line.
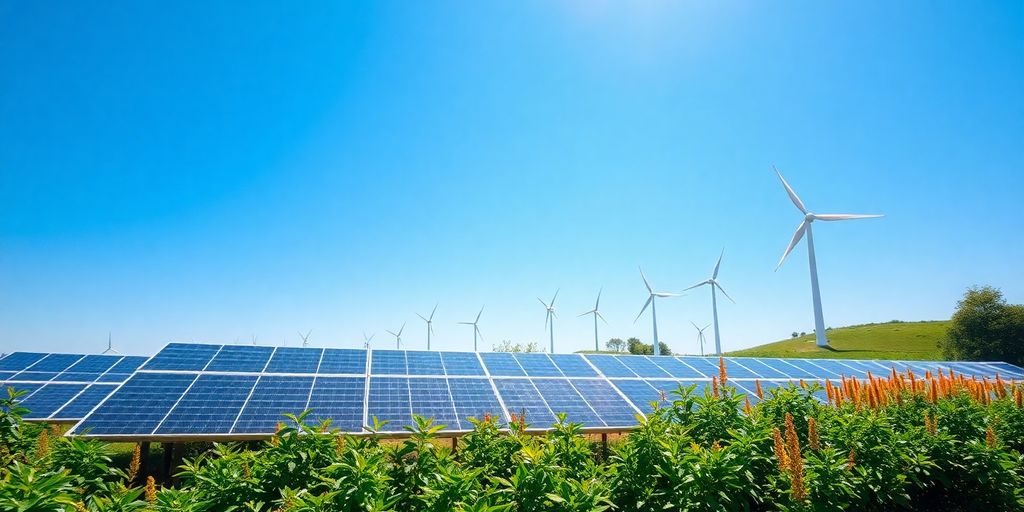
(637, 347)
(985, 328)
(615, 345)
(902, 340)
(509, 346)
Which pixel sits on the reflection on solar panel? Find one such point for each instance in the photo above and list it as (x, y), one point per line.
(244, 391)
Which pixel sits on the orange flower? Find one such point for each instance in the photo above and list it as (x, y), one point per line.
(812, 434)
(723, 376)
(780, 450)
(757, 388)
(135, 464)
(850, 459)
(990, 437)
(796, 461)
(746, 405)
(150, 490)
(43, 444)
(1017, 397)
(714, 387)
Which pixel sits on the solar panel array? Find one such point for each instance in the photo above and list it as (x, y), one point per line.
(236, 391)
(64, 387)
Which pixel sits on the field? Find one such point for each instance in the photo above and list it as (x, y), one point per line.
(892, 340)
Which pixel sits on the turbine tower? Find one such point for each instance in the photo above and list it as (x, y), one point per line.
(549, 318)
(305, 338)
(713, 283)
(700, 336)
(805, 227)
(654, 315)
(597, 314)
(430, 324)
(398, 337)
(476, 327)
(367, 340)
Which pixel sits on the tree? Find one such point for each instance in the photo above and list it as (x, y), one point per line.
(508, 346)
(615, 345)
(795, 334)
(985, 328)
(638, 347)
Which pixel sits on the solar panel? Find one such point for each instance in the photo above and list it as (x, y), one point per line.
(643, 367)
(88, 368)
(610, 366)
(424, 363)
(49, 398)
(182, 357)
(340, 399)
(210, 406)
(294, 360)
(502, 364)
(609, 405)
(537, 365)
(461, 363)
(138, 406)
(573, 365)
(522, 398)
(273, 396)
(80, 405)
(19, 361)
(240, 358)
(123, 369)
(763, 368)
(343, 361)
(677, 368)
(389, 362)
(430, 398)
(389, 401)
(702, 365)
(474, 398)
(562, 398)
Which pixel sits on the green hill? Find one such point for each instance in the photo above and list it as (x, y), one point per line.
(893, 340)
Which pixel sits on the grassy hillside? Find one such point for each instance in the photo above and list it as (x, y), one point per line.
(902, 340)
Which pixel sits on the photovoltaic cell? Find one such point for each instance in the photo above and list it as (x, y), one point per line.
(811, 368)
(573, 365)
(343, 360)
(31, 376)
(82, 404)
(390, 402)
(210, 406)
(643, 367)
(522, 399)
(388, 362)
(88, 369)
(613, 410)
(677, 368)
(461, 363)
(271, 399)
(27, 387)
(766, 368)
(240, 358)
(474, 398)
(6, 375)
(736, 369)
(610, 366)
(182, 357)
(55, 362)
(138, 406)
(1008, 369)
(702, 365)
(123, 369)
(18, 361)
(537, 365)
(431, 399)
(49, 398)
(639, 392)
(502, 364)
(424, 363)
(294, 360)
(562, 397)
(339, 399)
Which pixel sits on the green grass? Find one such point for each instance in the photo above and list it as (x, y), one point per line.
(893, 340)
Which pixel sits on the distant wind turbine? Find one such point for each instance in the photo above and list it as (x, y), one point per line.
(713, 283)
(597, 314)
(110, 345)
(398, 337)
(700, 336)
(654, 315)
(549, 318)
(305, 339)
(430, 324)
(805, 227)
(476, 327)
(367, 340)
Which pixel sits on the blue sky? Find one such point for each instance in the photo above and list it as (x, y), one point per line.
(211, 173)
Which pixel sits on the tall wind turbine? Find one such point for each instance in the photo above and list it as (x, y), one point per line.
(700, 336)
(398, 337)
(549, 318)
(110, 346)
(430, 324)
(597, 314)
(713, 283)
(654, 315)
(476, 327)
(367, 340)
(305, 338)
(805, 227)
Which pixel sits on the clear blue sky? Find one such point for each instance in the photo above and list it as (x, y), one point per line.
(209, 173)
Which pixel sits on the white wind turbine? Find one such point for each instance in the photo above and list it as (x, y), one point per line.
(700, 336)
(305, 338)
(110, 346)
(654, 315)
(549, 318)
(597, 314)
(805, 227)
(430, 324)
(713, 283)
(367, 340)
(476, 327)
(398, 337)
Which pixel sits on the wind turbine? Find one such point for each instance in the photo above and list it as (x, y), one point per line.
(398, 336)
(367, 340)
(597, 314)
(700, 336)
(430, 324)
(654, 315)
(110, 346)
(713, 283)
(805, 227)
(476, 328)
(305, 339)
(549, 318)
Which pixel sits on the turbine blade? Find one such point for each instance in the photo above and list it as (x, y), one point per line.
(702, 283)
(598, 313)
(555, 297)
(796, 239)
(844, 216)
(478, 314)
(585, 313)
(714, 274)
(723, 292)
(547, 316)
(642, 276)
(402, 329)
(432, 312)
(665, 294)
(648, 303)
(467, 323)
(792, 195)
(598, 303)
(389, 332)
(694, 325)
(542, 302)
(421, 316)
(478, 333)
(705, 327)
